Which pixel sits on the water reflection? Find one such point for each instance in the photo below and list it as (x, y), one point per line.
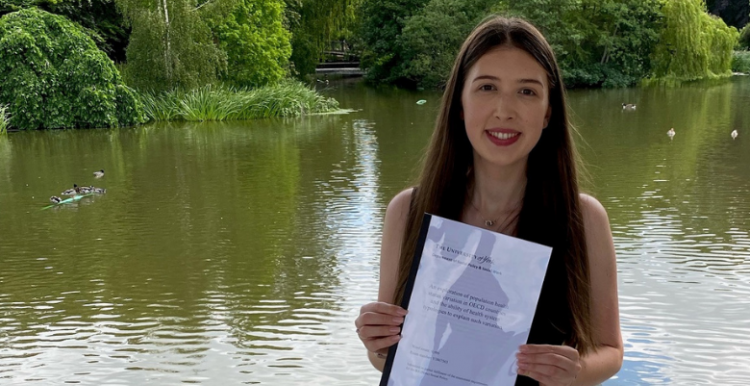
(228, 253)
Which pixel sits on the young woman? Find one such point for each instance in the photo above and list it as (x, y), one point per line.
(502, 157)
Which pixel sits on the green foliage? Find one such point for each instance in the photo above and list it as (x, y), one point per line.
(379, 27)
(100, 19)
(598, 43)
(53, 76)
(288, 98)
(171, 46)
(741, 61)
(430, 40)
(744, 39)
(313, 24)
(693, 44)
(4, 119)
(255, 41)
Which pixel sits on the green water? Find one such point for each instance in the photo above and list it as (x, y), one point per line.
(240, 253)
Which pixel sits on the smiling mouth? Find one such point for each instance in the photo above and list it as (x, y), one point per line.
(499, 135)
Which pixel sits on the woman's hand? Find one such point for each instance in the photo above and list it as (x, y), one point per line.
(548, 364)
(378, 326)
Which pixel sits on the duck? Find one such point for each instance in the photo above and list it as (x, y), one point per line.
(734, 134)
(99, 174)
(71, 192)
(55, 199)
(671, 133)
(99, 190)
(85, 189)
(628, 106)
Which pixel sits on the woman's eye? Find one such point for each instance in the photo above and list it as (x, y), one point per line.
(527, 91)
(487, 87)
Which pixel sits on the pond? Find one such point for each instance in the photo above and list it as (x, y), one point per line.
(240, 252)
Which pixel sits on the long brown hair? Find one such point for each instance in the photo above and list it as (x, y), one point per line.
(550, 214)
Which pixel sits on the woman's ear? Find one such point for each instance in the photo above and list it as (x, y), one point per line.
(547, 116)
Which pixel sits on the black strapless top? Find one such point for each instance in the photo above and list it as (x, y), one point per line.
(551, 323)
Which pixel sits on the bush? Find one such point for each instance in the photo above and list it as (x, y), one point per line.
(744, 42)
(52, 75)
(210, 103)
(741, 62)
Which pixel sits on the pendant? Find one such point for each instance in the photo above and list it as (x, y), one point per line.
(489, 223)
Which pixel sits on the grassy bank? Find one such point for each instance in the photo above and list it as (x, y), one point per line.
(4, 119)
(741, 61)
(216, 103)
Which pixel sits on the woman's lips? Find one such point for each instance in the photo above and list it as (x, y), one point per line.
(503, 137)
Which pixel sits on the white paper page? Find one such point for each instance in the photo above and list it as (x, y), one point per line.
(471, 307)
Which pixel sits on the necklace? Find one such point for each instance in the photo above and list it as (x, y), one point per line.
(490, 222)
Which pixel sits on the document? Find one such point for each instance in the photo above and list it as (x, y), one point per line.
(471, 296)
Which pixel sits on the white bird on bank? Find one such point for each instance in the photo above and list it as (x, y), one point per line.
(671, 133)
(734, 134)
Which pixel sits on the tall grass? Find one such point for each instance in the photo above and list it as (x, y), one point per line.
(4, 119)
(741, 61)
(221, 103)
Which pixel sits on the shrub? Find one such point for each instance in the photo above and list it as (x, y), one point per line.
(744, 42)
(52, 75)
(741, 62)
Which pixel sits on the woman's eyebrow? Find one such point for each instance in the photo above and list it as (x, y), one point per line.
(523, 80)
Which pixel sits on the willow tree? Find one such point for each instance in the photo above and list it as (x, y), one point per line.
(171, 46)
(313, 24)
(689, 40)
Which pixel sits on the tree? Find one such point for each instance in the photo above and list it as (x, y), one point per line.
(693, 44)
(431, 39)
(171, 46)
(52, 75)
(313, 23)
(255, 41)
(380, 24)
(100, 18)
(597, 42)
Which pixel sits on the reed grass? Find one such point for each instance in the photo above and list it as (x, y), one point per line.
(222, 103)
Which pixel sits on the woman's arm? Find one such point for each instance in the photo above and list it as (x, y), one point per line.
(394, 227)
(598, 366)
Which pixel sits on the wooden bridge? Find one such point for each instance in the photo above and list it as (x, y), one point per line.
(340, 62)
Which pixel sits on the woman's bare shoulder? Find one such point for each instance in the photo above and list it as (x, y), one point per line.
(598, 233)
(401, 202)
(593, 211)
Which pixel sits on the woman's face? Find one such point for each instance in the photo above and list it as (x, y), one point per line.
(505, 103)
